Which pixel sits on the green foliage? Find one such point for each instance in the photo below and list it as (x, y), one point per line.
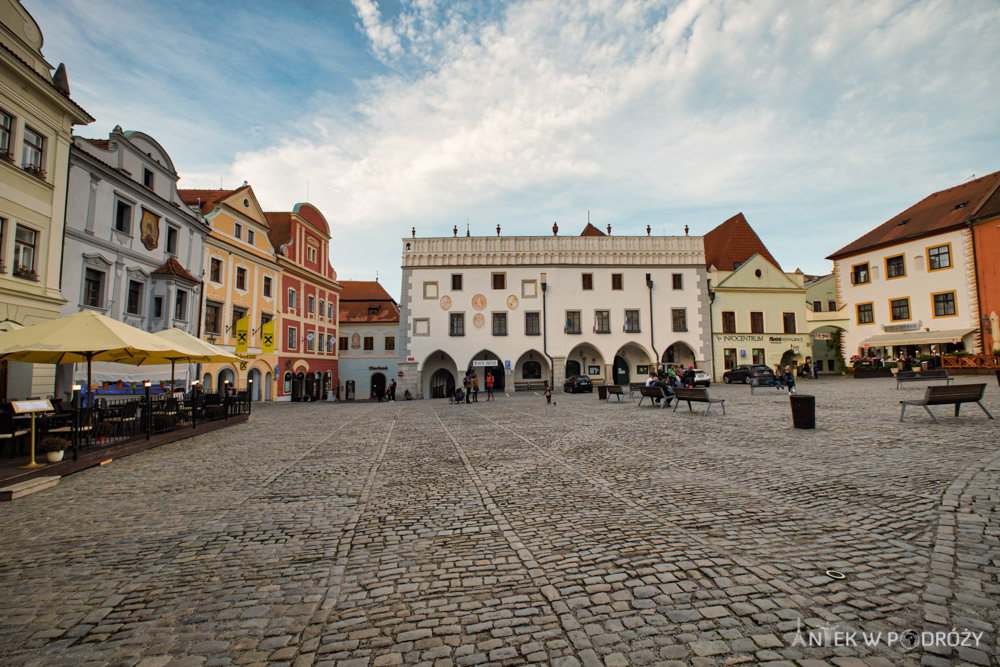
(54, 444)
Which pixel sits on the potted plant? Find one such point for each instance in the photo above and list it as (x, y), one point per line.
(103, 430)
(54, 448)
(24, 271)
(119, 384)
(34, 170)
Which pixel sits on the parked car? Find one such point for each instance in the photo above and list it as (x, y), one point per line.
(745, 373)
(701, 378)
(578, 383)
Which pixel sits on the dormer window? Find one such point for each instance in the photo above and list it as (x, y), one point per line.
(372, 311)
(147, 178)
(962, 205)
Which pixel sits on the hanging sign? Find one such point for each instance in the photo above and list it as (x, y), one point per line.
(242, 334)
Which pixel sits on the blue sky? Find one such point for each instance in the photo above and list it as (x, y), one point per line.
(817, 120)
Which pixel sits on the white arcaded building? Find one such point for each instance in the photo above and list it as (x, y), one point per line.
(548, 307)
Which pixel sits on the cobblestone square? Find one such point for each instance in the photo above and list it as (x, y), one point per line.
(512, 532)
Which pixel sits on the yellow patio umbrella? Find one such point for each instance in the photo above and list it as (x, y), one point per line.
(196, 350)
(85, 336)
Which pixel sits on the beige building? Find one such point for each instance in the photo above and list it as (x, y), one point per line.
(36, 122)
(828, 322)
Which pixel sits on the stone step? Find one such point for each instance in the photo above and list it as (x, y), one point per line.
(24, 488)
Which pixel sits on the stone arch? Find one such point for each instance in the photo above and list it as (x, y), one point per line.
(586, 356)
(532, 366)
(438, 372)
(497, 370)
(679, 353)
(626, 363)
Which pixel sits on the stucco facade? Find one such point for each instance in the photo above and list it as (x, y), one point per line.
(368, 342)
(828, 320)
(603, 306)
(36, 123)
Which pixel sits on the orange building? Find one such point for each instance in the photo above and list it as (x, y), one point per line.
(242, 278)
(985, 223)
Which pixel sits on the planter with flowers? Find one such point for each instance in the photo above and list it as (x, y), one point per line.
(54, 448)
(35, 171)
(25, 272)
(103, 431)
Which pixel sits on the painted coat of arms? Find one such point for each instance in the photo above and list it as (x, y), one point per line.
(149, 229)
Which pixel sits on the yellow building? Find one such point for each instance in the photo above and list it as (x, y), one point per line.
(36, 123)
(241, 279)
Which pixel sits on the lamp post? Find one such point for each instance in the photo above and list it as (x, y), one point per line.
(148, 409)
(545, 333)
(75, 402)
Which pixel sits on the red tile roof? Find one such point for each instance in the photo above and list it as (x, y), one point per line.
(281, 228)
(939, 212)
(172, 267)
(590, 230)
(360, 295)
(100, 143)
(208, 198)
(732, 243)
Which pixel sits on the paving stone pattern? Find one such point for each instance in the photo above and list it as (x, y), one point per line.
(512, 532)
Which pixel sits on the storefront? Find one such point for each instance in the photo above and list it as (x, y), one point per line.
(912, 340)
(774, 350)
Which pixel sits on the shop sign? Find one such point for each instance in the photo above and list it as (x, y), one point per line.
(910, 326)
(484, 362)
(378, 368)
(823, 336)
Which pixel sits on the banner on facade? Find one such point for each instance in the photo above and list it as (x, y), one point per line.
(242, 334)
(267, 337)
(149, 229)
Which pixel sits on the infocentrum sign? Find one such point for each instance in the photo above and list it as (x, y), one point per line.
(762, 338)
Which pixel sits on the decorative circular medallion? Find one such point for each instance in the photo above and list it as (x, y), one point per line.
(479, 302)
(512, 302)
(445, 302)
(479, 320)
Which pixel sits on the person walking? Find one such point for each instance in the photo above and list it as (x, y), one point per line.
(392, 391)
(466, 386)
(489, 386)
(475, 387)
(548, 393)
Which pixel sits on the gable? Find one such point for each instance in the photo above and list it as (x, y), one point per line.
(245, 202)
(771, 277)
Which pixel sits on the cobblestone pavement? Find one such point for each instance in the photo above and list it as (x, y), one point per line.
(512, 532)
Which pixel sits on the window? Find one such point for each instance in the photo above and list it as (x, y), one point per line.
(93, 288)
(831, 306)
(342, 342)
(939, 257)
(817, 306)
(372, 311)
(456, 282)
(531, 324)
(265, 318)
(859, 274)
(311, 304)
(123, 217)
(728, 322)
(25, 240)
(293, 338)
(588, 281)
(899, 309)
(322, 343)
(729, 358)
(895, 267)
(238, 314)
(430, 290)
(756, 323)
(212, 318)
(631, 321)
(329, 310)
(288, 383)
(329, 343)
(311, 253)
(499, 324)
(390, 343)
(757, 354)
(572, 321)
(147, 177)
(531, 370)
(322, 307)
(238, 230)
(180, 306)
(292, 300)
(6, 122)
(34, 146)
(369, 344)
(172, 233)
(944, 304)
(866, 313)
(215, 270)
(267, 286)
(250, 236)
(678, 279)
(617, 281)
(310, 341)
(679, 317)
(788, 322)
(456, 324)
(602, 321)
(133, 305)
(158, 307)
(241, 278)
(499, 280)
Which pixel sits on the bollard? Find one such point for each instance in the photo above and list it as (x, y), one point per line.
(803, 410)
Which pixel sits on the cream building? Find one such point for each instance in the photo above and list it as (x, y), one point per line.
(548, 307)
(828, 320)
(36, 122)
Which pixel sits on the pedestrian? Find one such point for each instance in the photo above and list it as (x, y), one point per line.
(466, 386)
(392, 391)
(548, 393)
(790, 380)
(652, 381)
(689, 377)
(489, 386)
(475, 387)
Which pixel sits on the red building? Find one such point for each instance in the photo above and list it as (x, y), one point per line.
(306, 338)
(985, 223)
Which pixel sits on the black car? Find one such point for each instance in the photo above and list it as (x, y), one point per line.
(744, 374)
(578, 383)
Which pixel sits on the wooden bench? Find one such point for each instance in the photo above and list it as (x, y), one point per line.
(653, 392)
(633, 388)
(919, 376)
(614, 390)
(529, 385)
(949, 395)
(696, 395)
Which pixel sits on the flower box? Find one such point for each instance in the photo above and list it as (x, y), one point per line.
(25, 272)
(37, 172)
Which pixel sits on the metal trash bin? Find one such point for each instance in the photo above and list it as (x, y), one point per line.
(803, 410)
(602, 392)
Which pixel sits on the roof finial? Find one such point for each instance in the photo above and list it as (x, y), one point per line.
(376, 275)
(555, 229)
(685, 230)
(498, 230)
(454, 231)
(466, 228)
(413, 232)
(648, 230)
(609, 230)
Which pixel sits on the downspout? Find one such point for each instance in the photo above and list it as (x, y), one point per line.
(649, 284)
(545, 335)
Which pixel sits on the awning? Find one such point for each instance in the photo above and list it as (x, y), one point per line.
(917, 337)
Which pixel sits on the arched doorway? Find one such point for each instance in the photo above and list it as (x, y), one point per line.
(573, 368)
(632, 363)
(226, 375)
(789, 359)
(532, 367)
(496, 370)
(622, 375)
(378, 385)
(588, 359)
(826, 355)
(442, 383)
(286, 387)
(206, 383)
(310, 391)
(679, 353)
(298, 386)
(253, 380)
(267, 386)
(327, 384)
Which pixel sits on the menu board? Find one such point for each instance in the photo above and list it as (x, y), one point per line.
(21, 407)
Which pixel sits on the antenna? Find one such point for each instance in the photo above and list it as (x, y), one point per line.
(969, 178)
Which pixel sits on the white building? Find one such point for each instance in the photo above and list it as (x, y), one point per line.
(133, 250)
(548, 307)
(909, 285)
